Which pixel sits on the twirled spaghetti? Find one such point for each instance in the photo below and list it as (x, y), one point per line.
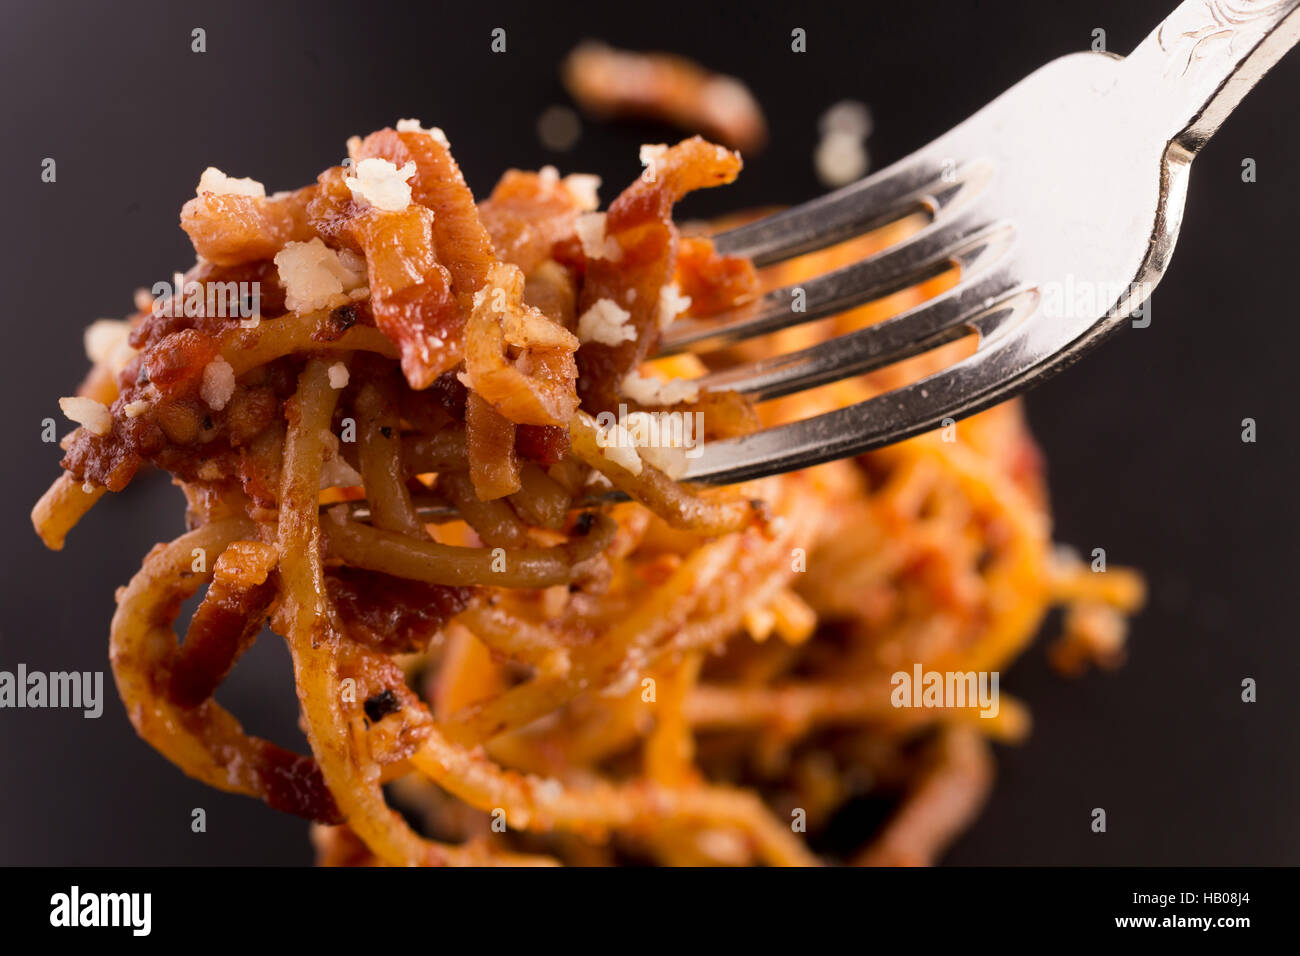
(534, 672)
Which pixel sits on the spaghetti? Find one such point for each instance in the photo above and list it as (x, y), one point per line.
(537, 674)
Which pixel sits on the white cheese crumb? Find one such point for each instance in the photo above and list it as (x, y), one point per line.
(135, 409)
(671, 461)
(847, 116)
(215, 181)
(549, 176)
(102, 338)
(651, 154)
(354, 149)
(584, 188)
(606, 323)
(413, 126)
(382, 184)
(654, 391)
(337, 473)
(106, 342)
(590, 227)
(651, 444)
(840, 158)
(671, 304)
(90, 414)
(339, 376)
(313, 274)
(88, 487)
(619, 447)
(218, 384)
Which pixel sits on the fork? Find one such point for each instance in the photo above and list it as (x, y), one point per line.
(1074, 179)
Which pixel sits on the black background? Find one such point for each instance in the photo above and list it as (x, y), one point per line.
(1142, 440)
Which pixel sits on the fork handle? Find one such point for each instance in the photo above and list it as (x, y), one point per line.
(1206, 56)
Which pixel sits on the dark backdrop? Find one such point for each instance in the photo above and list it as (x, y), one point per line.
(1143, 439)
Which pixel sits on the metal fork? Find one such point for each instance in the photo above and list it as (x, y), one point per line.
(1074, 179)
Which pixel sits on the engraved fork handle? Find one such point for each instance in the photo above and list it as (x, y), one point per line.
(1205, 57)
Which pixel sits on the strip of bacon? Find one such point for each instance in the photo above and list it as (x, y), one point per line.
(640, 220)
(459, 239)
(411, 295)
(516, 358)
(527, 214)
(230, 230)
(490, 445)
(226, 623)
(713, 283)
(389, 614)
(610, 82)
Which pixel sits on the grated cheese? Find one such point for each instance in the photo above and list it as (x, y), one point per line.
(218, 384)
(584, 188)
(671, 304)
(606, 323)
(106, 342)
(382, 184)
(847, 116)
(218, 183)
(135, 409)
(654, 391)
(335, 472)
(670, 459)
(339, 376)
(590, 227)
(620, 447)
(651, 153)
(413, 126)
(313, 274)
(840, 158)
(90, 414)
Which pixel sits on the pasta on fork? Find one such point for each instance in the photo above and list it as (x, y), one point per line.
(401, 460)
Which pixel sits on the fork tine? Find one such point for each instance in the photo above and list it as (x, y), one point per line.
(944, 318)
(915, 184)
(959, 390)
(961, 241)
